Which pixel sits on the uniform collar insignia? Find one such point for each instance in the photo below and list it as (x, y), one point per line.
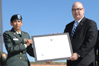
(14, 33)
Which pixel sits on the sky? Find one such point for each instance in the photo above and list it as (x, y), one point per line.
(41, 17)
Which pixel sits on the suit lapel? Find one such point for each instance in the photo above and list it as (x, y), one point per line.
(71, 28)
(22, 34)
(81, 24)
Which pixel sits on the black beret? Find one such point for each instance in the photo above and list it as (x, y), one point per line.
(16, 17)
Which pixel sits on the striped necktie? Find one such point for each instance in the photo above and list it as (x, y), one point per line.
(74, 28)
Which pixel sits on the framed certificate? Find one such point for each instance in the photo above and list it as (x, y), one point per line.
(52, 47)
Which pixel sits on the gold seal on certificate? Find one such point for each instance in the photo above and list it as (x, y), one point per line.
(52, 47)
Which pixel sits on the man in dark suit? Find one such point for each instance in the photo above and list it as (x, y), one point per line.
(97, 54)
(97, 49)
(83, 34)
(17, 43)
(3, 57)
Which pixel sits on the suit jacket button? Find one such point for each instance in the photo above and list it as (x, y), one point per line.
(20, 57)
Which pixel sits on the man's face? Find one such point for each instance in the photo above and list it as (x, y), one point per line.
(77, 11)
(16, 24)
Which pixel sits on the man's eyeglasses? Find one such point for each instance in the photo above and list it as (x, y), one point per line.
(78, 9)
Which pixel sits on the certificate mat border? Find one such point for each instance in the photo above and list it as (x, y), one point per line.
(34, 48)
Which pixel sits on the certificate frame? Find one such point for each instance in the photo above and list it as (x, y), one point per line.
(44, 46)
